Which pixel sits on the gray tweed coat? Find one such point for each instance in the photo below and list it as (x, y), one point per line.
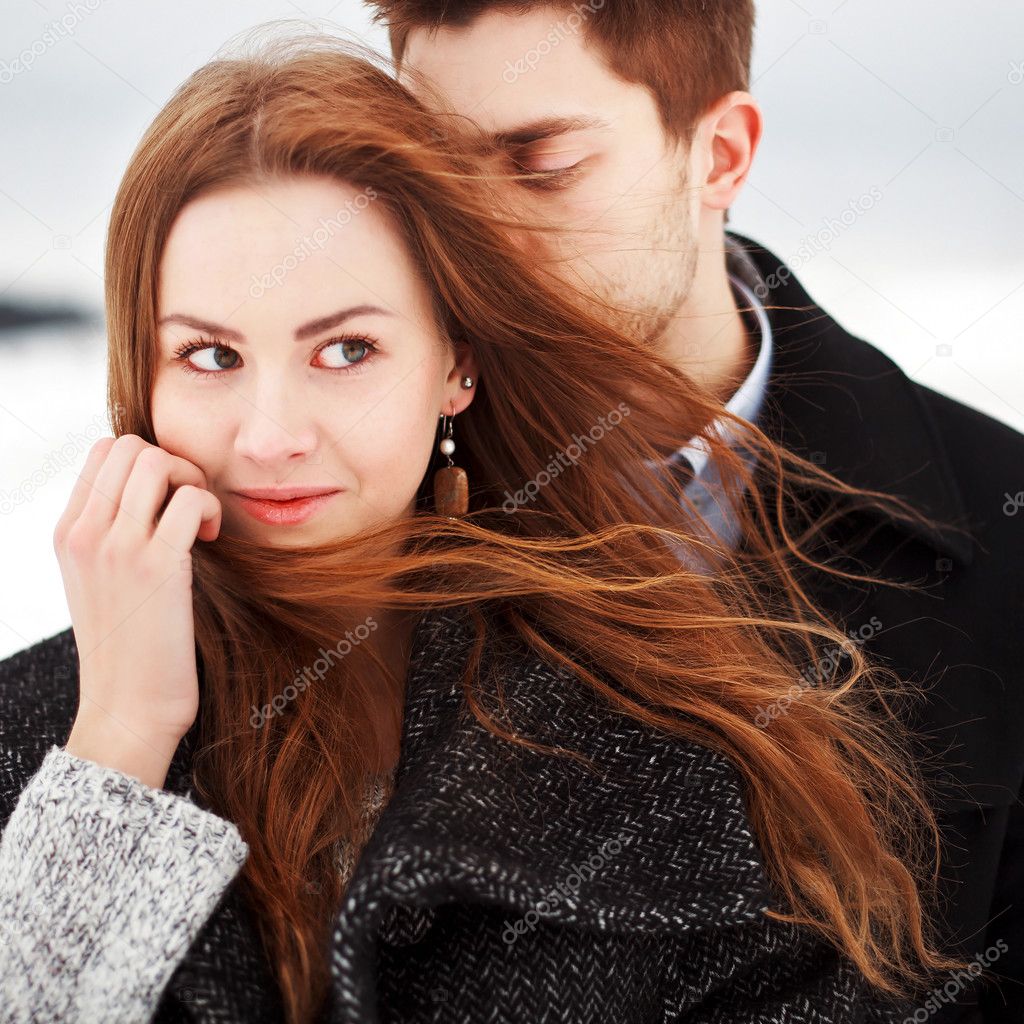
(506, 886)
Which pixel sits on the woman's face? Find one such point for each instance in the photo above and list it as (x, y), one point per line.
(317, 363)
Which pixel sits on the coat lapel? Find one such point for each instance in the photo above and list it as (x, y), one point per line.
(654, 840)
(635, 845)
(840, 402)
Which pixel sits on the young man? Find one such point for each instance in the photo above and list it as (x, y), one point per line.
(634, 126)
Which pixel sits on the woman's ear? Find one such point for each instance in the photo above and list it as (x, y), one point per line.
(457, 395)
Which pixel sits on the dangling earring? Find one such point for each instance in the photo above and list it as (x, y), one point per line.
(451, 485)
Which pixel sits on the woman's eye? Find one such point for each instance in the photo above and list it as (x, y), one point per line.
(346, 352)
(211, 359)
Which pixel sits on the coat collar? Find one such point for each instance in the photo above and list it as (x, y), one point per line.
(655, 840)
(842, 403)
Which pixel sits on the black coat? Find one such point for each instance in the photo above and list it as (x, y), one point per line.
(506, 886)
(840, 402)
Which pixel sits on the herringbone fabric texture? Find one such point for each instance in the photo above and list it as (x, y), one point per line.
(503, 885)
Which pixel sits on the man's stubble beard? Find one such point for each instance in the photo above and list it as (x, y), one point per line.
(648, 285)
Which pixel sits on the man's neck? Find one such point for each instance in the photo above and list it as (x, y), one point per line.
(709, 339)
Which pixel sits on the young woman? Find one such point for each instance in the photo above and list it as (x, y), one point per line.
(324, 743)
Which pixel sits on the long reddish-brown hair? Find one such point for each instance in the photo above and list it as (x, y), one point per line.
(586, 573)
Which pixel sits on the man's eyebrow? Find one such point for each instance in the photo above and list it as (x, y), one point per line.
(546, 128)
(323, 323)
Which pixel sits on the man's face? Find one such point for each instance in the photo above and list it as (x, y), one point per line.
(607, 176)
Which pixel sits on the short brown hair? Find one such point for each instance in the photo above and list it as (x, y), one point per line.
(689, 53)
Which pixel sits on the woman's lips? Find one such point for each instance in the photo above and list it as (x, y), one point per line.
(285, 513)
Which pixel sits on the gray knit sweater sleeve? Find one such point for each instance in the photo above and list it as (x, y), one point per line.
(104, 884)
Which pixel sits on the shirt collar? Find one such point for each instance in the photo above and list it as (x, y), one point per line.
(748, 398)
(719, 514)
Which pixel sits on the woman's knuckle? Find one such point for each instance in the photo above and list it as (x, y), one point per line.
(103, 444)
(112, 554)
(150, 459)
(187, 494)
(79, 541)
(127, 441)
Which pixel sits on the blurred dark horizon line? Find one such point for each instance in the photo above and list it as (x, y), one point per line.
(17, 314)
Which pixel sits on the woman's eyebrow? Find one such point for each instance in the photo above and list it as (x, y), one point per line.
(323, 323)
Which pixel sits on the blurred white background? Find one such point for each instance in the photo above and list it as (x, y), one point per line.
(917, 106)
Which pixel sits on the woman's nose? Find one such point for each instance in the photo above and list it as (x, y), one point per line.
(273, 430)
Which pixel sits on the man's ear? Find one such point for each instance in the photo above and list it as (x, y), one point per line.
(732, 130)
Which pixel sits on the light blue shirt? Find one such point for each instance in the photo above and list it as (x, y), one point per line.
(704, 490)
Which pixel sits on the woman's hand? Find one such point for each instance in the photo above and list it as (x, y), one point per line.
(127, 572)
